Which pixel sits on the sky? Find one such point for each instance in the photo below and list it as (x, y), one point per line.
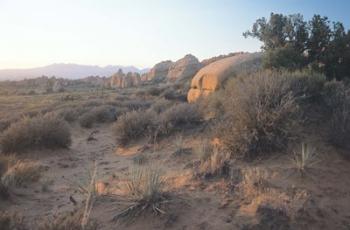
(35, 33)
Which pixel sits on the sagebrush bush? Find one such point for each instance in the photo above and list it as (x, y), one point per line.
(134, 125)
(178, 117)
(261, 113)
(100, 114)
(42, 131)
(161, 105)
(70, 114)
(337, 101)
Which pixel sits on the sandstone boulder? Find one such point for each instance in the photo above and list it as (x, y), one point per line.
(211, 77)
(159, 72)
(120, 80)
(185, 67)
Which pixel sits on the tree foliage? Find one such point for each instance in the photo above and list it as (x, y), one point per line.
(291, 42)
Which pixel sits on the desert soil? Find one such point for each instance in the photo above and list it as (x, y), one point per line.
(319, 201)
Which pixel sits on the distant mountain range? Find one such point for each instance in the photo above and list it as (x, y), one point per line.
(70, 71)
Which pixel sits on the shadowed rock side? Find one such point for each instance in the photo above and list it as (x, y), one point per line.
(120, 80)
(185, 67)
(211, 77)
(159, 72)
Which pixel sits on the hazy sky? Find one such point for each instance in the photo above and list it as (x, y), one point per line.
(141, 33)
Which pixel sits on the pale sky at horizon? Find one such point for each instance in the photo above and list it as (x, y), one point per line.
(140, 33)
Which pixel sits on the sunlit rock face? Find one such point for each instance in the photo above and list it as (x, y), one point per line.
(121, 80)
(211, 77)
(159, 72)
(184, 68)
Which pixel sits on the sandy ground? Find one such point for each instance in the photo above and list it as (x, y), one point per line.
(319, 201)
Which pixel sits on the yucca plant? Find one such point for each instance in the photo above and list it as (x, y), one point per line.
(305, 159)
(144, 193)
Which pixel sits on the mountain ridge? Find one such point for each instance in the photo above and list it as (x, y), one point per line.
(66, 70)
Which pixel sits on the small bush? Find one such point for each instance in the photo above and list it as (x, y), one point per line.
(46, 131)
(179, 117)
(134, 125)
(261, 114)
(145, 193)
(172, 95)
(337, 100)
(99, 114)
(21, 173)
(70, 114)
(161, 105)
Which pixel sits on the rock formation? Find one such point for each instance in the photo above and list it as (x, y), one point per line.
(211, 77)
(57, 86)
(159, 72)
(120, 80)
(183, 68)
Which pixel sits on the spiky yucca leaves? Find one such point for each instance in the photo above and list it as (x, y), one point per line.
(305, 159)
(145, 194)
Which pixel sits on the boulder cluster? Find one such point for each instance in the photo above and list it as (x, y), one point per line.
(168, 71)
(121, 80)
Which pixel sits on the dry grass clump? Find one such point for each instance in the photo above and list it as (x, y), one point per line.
(43, 131)
(22, 172)
(5, 164)
(203, 150)
(213, 163)
(305, 159)
(261, 114)
(144, 194)
(337, 100)
(254, 181)
(99, 114)
(134, 125)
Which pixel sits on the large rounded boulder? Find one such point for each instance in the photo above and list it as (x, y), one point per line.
(211, 77)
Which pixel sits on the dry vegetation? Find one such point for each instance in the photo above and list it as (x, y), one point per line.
(42, 131)
(145, 194)
(228, 155)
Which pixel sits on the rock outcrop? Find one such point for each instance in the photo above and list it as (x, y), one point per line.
(120, 80)
(159, 72)
(57, 86)
(183, 68)
(211, 77)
